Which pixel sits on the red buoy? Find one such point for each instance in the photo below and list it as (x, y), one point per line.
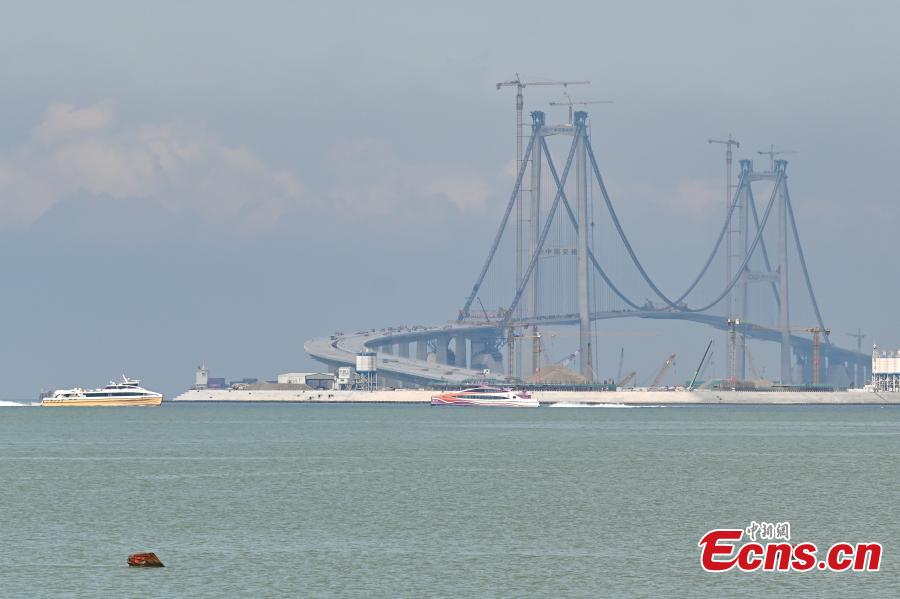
(144, 560)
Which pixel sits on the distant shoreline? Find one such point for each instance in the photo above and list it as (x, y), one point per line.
(637, 398)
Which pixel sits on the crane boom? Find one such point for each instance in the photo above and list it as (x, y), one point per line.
(772, 153)
(662, 370)
(626, 379)
(700, 366)
(706, 365)
(523, 84)
(570, 103)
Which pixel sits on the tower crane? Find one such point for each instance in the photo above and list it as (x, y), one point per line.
(772, 153)
(859, 336)
(570, 103)
(729, 191)
(731, 141)
(662, 370)
(521, 85)
(520, 104)
(817, 347)
(514, 338)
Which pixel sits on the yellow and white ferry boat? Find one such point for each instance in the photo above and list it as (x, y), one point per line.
(128, 392)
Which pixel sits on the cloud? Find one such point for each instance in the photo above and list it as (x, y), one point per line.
(82, 150)
(372, 179)
(693, 197)
(64, 120)
(77, 150)
(699, 196)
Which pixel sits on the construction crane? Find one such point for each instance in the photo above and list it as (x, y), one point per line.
(626, 379)
(729, 190)
(514, 338)
(520, 101)
(568, 359)
(570, 103)
(486, 317)
(706, 366)
(728, 160)
(817, 348)
(662, 371)
(700, 366)
(575, 353)
(859, 336)
(751, 364)
(772, 153)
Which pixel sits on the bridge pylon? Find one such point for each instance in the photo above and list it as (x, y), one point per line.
(583, 280)
(784, 322)
(528, 284)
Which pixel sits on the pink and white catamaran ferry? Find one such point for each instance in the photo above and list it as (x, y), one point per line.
(486, 396)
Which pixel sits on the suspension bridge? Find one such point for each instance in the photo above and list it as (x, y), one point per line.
(561, 257)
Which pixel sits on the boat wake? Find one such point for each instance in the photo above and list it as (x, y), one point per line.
(13, 404)
(573, 404)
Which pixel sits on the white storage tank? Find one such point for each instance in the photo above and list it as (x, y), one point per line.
(366, 362)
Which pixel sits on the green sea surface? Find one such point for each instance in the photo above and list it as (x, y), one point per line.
(413, 501)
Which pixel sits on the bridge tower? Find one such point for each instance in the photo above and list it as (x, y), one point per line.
(784, 312)
(736, 255)
(744, 207)
(581, 252)
(537, 125)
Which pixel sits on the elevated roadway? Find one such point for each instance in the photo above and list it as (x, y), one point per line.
(393, 348)
(422, 355)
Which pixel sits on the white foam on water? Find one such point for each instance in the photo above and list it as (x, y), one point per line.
(13, 404)
(572, 404)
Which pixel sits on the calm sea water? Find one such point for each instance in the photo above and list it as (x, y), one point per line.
(388, 501)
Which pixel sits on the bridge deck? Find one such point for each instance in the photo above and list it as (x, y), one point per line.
(341, 349)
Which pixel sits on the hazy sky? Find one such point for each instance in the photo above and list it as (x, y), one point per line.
(219, 181)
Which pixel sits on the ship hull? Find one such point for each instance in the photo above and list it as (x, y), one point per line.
(104, 402)
(497, 403)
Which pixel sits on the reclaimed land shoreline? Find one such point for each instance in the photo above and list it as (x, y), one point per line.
(629, 398)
